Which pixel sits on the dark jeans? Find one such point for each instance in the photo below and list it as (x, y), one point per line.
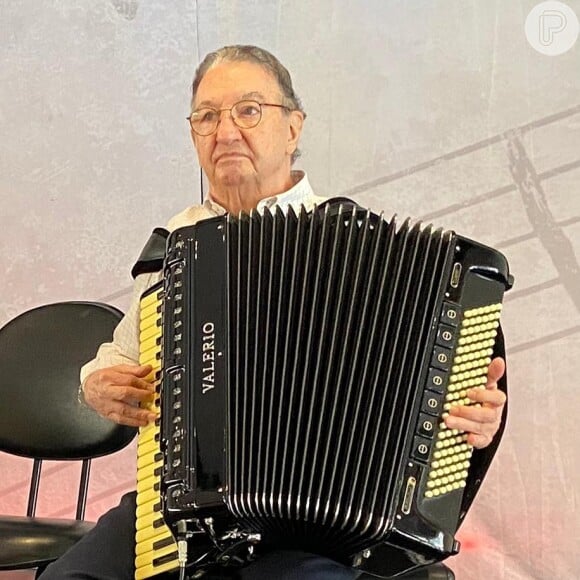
(107, 553)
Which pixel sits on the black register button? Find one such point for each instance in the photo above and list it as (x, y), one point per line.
(421, 448)
(432, 403)
(426, 426)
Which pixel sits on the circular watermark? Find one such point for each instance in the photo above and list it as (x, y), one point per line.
(552, 28)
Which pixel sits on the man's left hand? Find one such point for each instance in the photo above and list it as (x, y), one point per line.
(481, 422)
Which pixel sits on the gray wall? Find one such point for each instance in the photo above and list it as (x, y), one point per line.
(438, 110)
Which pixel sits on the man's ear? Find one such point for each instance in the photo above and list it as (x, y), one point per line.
(294, 130)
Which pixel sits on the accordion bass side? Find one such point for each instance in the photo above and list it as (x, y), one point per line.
(307, 363)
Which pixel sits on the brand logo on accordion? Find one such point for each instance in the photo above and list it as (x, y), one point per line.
(207, 357)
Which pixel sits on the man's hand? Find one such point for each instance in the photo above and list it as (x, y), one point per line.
(481, 422)
(114, 392)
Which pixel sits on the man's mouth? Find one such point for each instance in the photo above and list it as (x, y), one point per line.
(230, 156)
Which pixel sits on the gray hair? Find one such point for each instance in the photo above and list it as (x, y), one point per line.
(256, 55)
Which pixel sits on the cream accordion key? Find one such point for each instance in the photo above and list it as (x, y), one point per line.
(308, 361)
(156, 550)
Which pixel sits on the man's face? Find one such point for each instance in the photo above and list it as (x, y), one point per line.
(260, 156)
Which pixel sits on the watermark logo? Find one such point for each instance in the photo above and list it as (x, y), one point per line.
(552, 28)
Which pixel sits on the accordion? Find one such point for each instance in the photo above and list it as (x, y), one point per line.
(304, 364)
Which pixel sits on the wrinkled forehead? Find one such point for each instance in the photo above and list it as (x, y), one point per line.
(229, 82)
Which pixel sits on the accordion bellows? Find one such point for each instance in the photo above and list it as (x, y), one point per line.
(307, 361)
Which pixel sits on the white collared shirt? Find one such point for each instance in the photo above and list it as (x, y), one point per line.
(300, 193)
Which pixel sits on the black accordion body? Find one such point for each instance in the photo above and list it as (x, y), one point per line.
(306, 362)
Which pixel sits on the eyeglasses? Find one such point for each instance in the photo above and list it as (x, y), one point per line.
(245, 114)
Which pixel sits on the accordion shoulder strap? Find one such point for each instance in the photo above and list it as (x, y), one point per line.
(335, 203)
(152, 254)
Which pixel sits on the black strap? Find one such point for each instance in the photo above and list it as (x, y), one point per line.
(152, 255)
(335, 203)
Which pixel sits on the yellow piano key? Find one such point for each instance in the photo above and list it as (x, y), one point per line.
(149, 447)
(150, 557)
(151, 332)
(150, 470)
(149, 433)
(150, 349)
(149, 322)
(164, 535)
(148, 521)
(146, 305)
(150, 526)
(152, 298)
(151, 357)
(150, 507)
(146, 483)
(150, 337)
(146, 323)
(150, 494)
(149, 571)
(145, 460)
(151, 310)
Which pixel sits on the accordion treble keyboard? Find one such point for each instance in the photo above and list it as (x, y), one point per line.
(156, 550)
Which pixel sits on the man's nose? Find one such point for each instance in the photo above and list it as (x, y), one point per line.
(227, 130)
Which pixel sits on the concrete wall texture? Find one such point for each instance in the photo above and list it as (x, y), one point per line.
(437, 110)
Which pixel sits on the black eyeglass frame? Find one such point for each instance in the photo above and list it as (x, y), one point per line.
(230, 109)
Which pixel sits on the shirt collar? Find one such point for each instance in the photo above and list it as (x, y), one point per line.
(301, 193)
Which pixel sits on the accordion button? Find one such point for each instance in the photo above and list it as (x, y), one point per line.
(432, 403)
(445, 336)
(441, 358)
(421, 448)
(450, 313)
(426, 427)
(436, 380)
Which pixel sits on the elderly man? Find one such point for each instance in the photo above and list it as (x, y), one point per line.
(246, 124)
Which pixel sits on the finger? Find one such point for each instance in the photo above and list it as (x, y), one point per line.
(128, 394)
(495, 372)
(136, 370)
(111, 377)
(117, 379)
(469, 426)
(476, 414)
(128, 415)
(129, 421)
(491, 397)
(479, 441)
(138, 383)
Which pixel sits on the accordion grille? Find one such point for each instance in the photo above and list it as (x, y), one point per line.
(331, 316)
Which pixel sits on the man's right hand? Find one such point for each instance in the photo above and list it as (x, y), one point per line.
(114, 393)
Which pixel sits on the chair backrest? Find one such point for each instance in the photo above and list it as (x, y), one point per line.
(41, 353)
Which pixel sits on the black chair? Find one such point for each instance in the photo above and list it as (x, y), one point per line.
(41, 352)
